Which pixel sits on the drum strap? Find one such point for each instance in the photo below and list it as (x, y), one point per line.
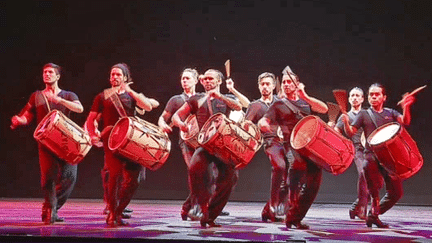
(40, 95)
(292, 107)
(109, 93)
(372, 117)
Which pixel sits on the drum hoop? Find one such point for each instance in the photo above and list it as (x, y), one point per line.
(208, 121)
(379, 129)
(183, 135)
(297, 127)
(123, 141)
(54, 113)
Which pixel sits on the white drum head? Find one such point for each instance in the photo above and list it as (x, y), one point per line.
(384, 134)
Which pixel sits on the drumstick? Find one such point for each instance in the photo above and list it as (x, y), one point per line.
(228, 68)
(412, 93)
(341, 98)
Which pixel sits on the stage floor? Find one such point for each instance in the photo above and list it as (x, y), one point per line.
(20, 220)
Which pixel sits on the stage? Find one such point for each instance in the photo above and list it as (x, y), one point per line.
(20, 220)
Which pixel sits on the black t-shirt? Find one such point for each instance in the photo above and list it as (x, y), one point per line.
(110, 114)
(356, 138)
(38, 104)
(174, 103)
(256, 110)
(279, 114)
(363, 120)
(200, 107)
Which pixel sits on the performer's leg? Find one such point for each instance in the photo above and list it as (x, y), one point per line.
(225, 181)
(131, 177)
(359, 207)
(105, 178)
(310, 188)
(296, 180)
(64, 188)
(49, 169)
(276, 154)
(115, 168)
(199, 178)
(187, 153)
(375, 182)
(394, 192)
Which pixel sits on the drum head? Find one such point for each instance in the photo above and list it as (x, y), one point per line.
(46, 122)
(210, 128)
(303, 132)
(118, 133)
(383, 133)
(193, 128)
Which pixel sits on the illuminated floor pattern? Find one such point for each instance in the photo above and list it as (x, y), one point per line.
(160, 221)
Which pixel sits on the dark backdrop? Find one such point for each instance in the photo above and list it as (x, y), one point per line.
(329, 44)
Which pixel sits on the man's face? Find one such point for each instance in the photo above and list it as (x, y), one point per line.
(266, 86)
(288, 85)
(187, 80)
(210, 80)
(50, 75)
(117, 77)
(355, 97)
(376, 97)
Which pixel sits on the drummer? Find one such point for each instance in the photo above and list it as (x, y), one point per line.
(189, 79)
(204, 105)
(114, 103)
(359, 207)
(273, 147)
(369, 120)
(57, 176)
(304, 176)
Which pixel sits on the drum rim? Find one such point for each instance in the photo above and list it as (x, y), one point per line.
(208, 120)
(183, 135)
(54, 113)
(297, 126)
(123, 140)
(380, 128)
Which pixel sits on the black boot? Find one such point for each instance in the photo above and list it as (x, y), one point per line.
(373, 219)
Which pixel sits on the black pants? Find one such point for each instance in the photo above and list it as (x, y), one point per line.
(123, 179)
(57, 179)
(376, 176)
(200, 182)
(275, 150)
(304, 180)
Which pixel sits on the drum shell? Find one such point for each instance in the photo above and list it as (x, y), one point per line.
(140, 142)
(63, 137)
(323, 145)
(398, 154)
(231, 143)
(191, 137)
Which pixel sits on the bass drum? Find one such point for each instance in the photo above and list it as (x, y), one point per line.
(190, 137)
(63, 137)
(316, 140)
(140, 141)
(230, 142)
(396, 151)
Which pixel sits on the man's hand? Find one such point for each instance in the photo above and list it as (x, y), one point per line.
(18, 121)
(52, 97)
(165, 128)
(229, 84)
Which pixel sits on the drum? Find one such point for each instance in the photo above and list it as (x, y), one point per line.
(140, 141)
(190, 137)
(230, 142)
(63, 137)
(314, 139)
(396, 151)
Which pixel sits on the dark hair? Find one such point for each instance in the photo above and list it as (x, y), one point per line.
(193, 71)
(56, 67)
(378, 85)
(267, 75)
(125, 69)
(219, 74)
(358, 89)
